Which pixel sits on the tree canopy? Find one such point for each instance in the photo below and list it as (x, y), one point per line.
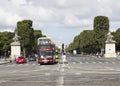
(91, 41)
(28, 35)
(117, 39)
(25, 31)
(5, 41)
(101, 28)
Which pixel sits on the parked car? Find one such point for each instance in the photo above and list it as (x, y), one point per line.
(20, 59)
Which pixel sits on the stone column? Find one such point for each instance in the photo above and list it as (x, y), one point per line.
(15, 47)
(110, 50)
(110, 47)
(15, 50)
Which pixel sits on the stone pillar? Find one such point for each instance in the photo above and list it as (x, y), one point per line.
(110, 50)
(15, 47)
(15, 50)
(110, 46)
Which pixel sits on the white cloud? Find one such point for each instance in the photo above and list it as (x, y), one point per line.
(71, 20)
(61, 2)
(8, 19)
(63, 14)
(39, 14)
(7, 29)
(18, 2)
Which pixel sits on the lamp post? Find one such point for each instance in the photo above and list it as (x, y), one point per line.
(23, 45)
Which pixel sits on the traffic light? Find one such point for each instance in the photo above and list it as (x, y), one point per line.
(62, 47)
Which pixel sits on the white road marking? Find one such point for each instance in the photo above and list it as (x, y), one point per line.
(113, 62)
(81, 62)
(47, 74)
(26, 64)
(15, 71)
(100, 62)
(94, 62)
(77, 73)
(60, 81)
(86, 62)
(106, 62)
(33, 64)
(109, 68)
(111, 78)
(74, 62)
(31, 81)
(1, 81)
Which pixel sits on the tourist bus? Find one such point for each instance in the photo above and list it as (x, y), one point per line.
(45, 51)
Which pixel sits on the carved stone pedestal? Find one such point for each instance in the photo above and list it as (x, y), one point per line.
(110, 47)
(110, 50)
(15, 47)
(15, 50)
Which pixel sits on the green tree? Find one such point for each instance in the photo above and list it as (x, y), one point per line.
(117, 39)
(26, 32)
(76, 42)
(37, 34)
(84, 42)
(87, 41)
(101, 28)
(70, 47)
(5, 41)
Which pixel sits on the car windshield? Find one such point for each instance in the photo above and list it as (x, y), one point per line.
(21, 57)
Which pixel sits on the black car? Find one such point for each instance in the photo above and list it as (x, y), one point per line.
(31, 58)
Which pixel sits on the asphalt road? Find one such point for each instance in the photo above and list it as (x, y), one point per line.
(80, 71)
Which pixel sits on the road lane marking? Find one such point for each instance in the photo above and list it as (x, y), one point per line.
(94, 62)
(74, 62)
(15, 71)
(30, 81)
(106, 62)
(2, 81)
(78, 73)
(100, 62)
(81, 62)
(60, 81)
(86, 62)
(47, 74)
(109, 68)
(34, 64)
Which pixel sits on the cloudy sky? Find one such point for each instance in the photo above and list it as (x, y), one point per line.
(60, 20)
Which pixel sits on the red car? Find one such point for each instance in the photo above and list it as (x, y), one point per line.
(20, 59)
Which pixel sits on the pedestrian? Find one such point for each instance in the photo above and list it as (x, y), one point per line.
(97, 54)
(64, 57)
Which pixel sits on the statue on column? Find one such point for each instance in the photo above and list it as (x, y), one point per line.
(110, 50)
(109, 37)
(16, 37)
(15, 47)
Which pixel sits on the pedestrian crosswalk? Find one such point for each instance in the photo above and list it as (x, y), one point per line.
(18, 65)
(92, 60)
(69, 62)
(95, 62)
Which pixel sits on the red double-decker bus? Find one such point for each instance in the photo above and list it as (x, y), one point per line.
(45, 51)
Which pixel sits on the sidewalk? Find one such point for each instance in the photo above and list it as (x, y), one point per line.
(3, 61)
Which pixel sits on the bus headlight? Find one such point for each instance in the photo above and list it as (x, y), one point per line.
(42, 57)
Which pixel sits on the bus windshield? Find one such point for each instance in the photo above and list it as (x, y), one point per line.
(46, 53)
(45, 46)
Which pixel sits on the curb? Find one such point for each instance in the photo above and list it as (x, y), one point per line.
(5, 62)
